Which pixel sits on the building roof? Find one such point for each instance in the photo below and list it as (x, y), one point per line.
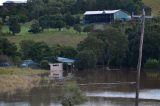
(17, 2)
(65, 60)
(101, 12)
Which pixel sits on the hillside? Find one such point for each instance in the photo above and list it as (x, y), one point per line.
(49, 36)
(154, 4)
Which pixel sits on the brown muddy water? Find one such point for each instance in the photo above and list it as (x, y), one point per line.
(103, 88)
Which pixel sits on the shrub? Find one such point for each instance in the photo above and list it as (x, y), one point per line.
(152, 64)
(72, 95)
(44, 64)
(35, 27)
(77, 28)
(88, 28)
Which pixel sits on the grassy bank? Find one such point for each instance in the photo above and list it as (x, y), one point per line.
(13, 80)
(49, 36)
(20, 71)
(11, 84)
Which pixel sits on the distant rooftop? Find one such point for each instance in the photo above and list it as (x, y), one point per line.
(101, 12)
(65, 60)
(18, 2)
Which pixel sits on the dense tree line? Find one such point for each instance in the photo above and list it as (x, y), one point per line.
(60, 13)
(65, 10)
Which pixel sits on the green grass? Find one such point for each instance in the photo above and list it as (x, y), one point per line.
(49, 36)
(155, 5)
(13, 80)
(21, 71)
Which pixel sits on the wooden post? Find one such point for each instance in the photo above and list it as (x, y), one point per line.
(140, 60)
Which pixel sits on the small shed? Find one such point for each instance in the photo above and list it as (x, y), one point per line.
(56, 71)
(105, 16)
(67, 62)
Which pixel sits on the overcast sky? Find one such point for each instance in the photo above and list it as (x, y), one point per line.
(1, 1)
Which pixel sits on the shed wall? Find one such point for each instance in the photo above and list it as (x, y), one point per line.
(120, 15)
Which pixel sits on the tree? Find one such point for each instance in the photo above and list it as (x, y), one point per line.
(68, 52)
(77, 28)
(95, 45)
(86, 59)
(59, 24)
(35, 27)
(44, 22)
(64, 51)
(7, 48)
(22, 18)
(151, 47)
(36, 51)
(56, 21)
(14, 26)
(69, 19)
(8, 51)
(116, 44)
(35, 8)
(4, 59)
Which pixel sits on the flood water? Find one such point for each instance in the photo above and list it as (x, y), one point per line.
(103, 88)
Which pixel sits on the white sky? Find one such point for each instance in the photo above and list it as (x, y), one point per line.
(1, 1)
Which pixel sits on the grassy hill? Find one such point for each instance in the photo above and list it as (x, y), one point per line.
(154, 4)
(49, 36)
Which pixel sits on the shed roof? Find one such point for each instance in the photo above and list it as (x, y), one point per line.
(65, 60)
(18, 2)
(101, 12)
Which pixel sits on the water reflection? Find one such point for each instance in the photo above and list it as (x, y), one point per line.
(147, 94)
(100, 95)
(117, 102)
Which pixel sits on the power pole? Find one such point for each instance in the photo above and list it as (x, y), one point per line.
(143, 17)
(140, 60)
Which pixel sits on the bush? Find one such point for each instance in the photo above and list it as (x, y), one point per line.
(77, 28)
(7, 48)
(44, 64)
(35, 27)
(88, 28)
(72, 95)
(22, 19)
(152, 64)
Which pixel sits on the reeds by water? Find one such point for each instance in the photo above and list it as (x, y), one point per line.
(13, 80)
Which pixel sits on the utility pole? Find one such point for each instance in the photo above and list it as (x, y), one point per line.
(140, 59)
(143, 17)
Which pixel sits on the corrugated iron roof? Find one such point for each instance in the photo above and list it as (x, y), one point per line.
(65, 60)
(100, 12)
(18, 2)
